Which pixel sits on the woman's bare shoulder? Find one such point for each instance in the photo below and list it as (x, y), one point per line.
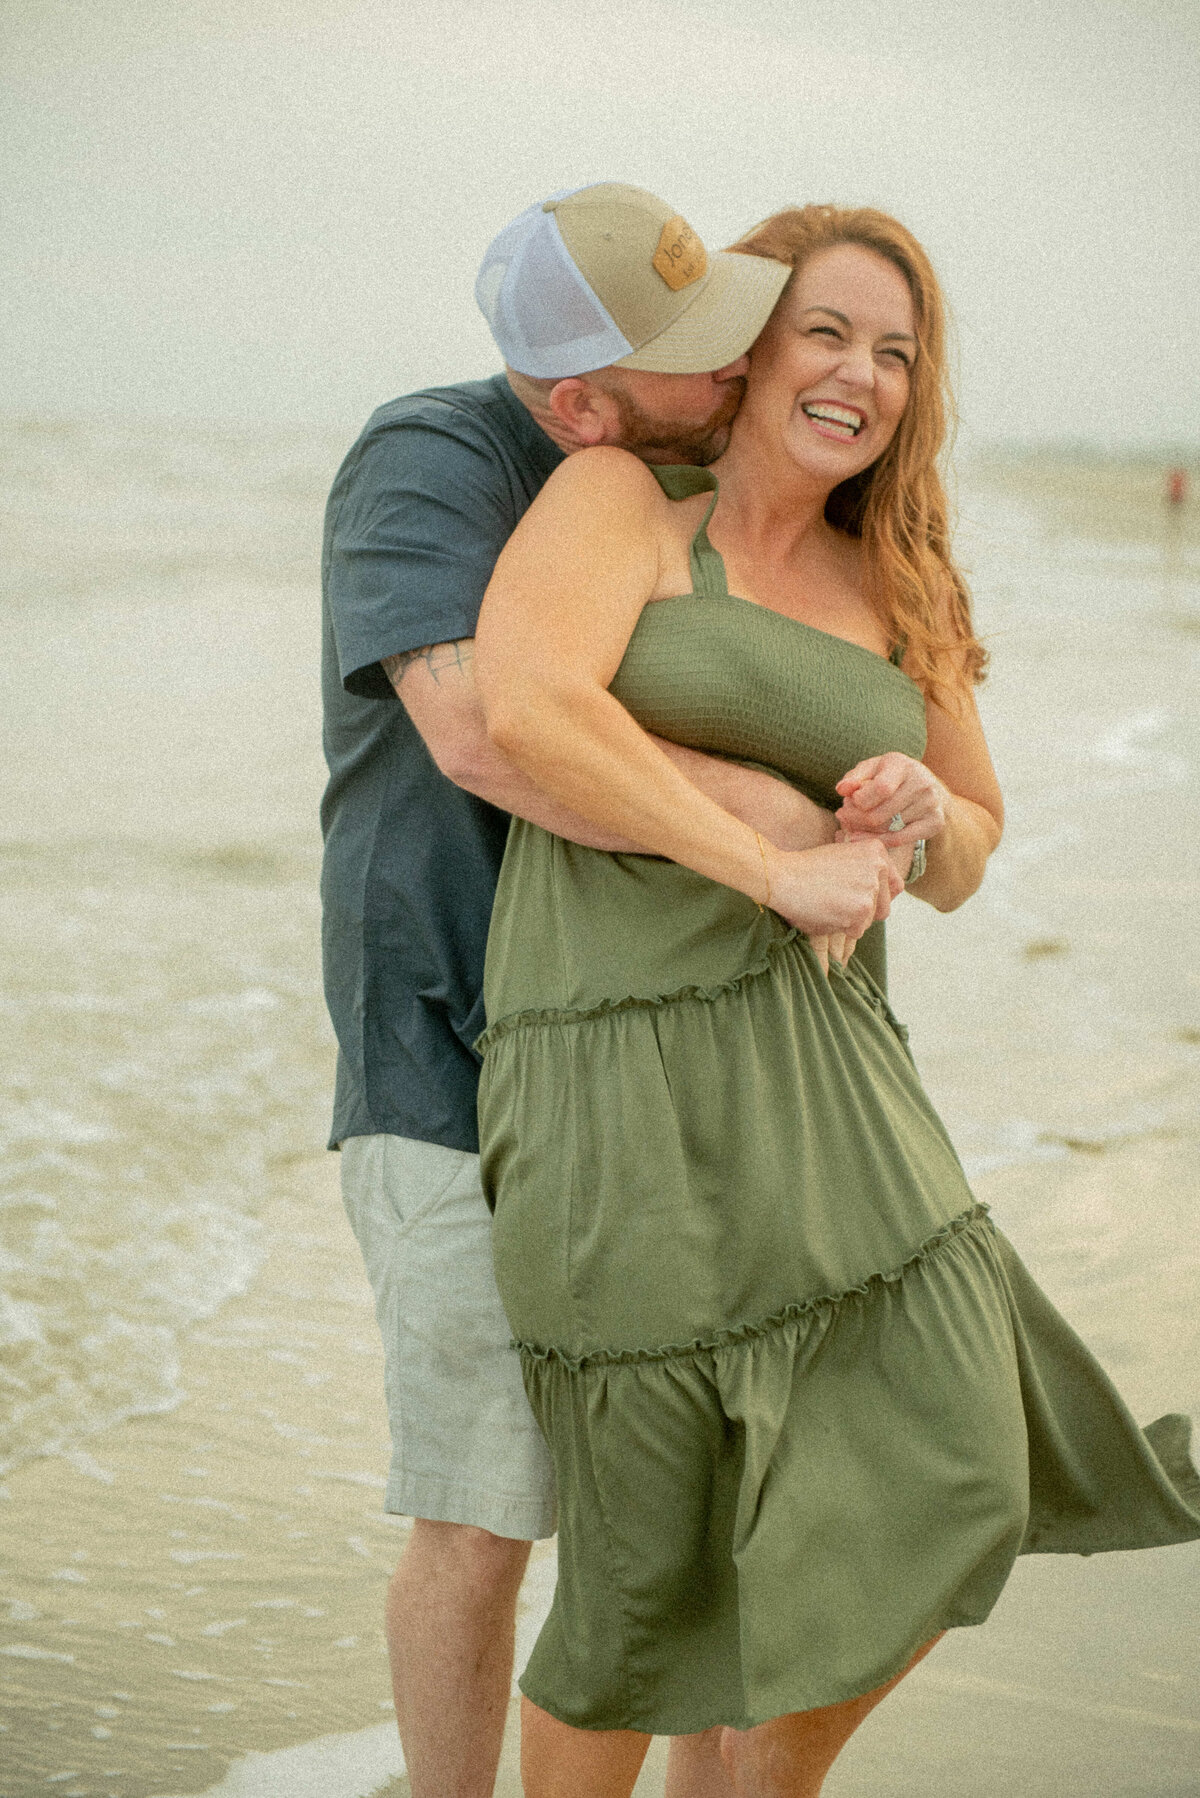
(590, 539)
(587, 548)
(603, 476)
(602, 505)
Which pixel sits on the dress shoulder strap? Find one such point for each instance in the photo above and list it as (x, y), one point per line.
(682, 481)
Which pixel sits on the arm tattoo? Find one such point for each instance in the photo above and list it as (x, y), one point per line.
(439, 658)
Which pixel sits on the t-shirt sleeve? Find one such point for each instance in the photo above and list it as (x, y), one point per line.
(416, 524)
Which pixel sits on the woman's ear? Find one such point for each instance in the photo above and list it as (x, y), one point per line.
(584, 413)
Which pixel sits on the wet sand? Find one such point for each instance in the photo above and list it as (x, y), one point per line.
(192, 1584)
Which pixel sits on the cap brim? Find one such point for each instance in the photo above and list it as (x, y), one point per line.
(722, 321)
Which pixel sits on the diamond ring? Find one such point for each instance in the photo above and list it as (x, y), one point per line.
(897, 823)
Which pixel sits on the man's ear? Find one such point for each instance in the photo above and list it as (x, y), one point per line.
(584, 413)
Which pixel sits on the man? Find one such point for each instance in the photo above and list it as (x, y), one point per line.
(616, 328)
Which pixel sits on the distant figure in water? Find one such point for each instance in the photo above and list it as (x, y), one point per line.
(1175, 494)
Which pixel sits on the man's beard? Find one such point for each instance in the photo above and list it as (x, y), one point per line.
(656, 439)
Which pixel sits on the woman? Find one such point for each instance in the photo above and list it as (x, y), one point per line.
(805, 1404)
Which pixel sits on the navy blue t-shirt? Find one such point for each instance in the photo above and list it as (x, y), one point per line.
(419, 512)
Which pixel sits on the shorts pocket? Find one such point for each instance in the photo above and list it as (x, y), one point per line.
(417, 1176)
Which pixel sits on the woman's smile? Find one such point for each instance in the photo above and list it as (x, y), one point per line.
(830, 419)
(831, 372)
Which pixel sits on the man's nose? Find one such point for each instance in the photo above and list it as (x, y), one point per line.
(733, 370)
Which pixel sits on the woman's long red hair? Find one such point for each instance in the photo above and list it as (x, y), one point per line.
(898, 506)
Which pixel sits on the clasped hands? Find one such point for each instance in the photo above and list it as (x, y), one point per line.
(889, 803)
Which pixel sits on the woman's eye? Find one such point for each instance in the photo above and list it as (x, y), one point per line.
(824, 331)
(898, 356)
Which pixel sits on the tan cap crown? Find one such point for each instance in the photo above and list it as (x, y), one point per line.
(626, 281)
(637, 256)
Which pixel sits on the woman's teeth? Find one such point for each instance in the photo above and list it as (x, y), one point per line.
(844, 422)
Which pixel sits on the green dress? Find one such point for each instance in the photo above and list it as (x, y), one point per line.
(804, 1402)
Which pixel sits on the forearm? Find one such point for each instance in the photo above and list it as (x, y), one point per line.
(785, 817)
(763, 801)
(580, 746)
(436, 686)
(492, 776)
(957, 857)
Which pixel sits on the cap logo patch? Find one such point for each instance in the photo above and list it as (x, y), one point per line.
(680, 257)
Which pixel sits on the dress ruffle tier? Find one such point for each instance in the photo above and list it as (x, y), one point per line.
(843, 1499)
(801, 1426)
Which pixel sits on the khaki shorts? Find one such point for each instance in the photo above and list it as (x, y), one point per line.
(465, 1447)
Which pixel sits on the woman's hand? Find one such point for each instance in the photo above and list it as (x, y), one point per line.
(885, 787)
(834, 894)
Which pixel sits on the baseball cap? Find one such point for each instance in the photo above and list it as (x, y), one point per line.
(610, 274)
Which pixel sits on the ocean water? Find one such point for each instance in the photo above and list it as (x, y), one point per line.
(164, 1055)
(1058, 1012)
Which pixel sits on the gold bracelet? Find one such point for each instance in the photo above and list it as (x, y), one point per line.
(766, 871)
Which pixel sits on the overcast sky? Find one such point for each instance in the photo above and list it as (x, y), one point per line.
(272, 210)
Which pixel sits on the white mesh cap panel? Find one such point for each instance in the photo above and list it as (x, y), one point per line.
(542, 313)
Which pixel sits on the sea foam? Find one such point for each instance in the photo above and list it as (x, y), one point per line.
(355, 1765)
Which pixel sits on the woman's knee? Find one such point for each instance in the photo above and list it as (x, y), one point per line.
(790, 1756)
(560, 1761)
